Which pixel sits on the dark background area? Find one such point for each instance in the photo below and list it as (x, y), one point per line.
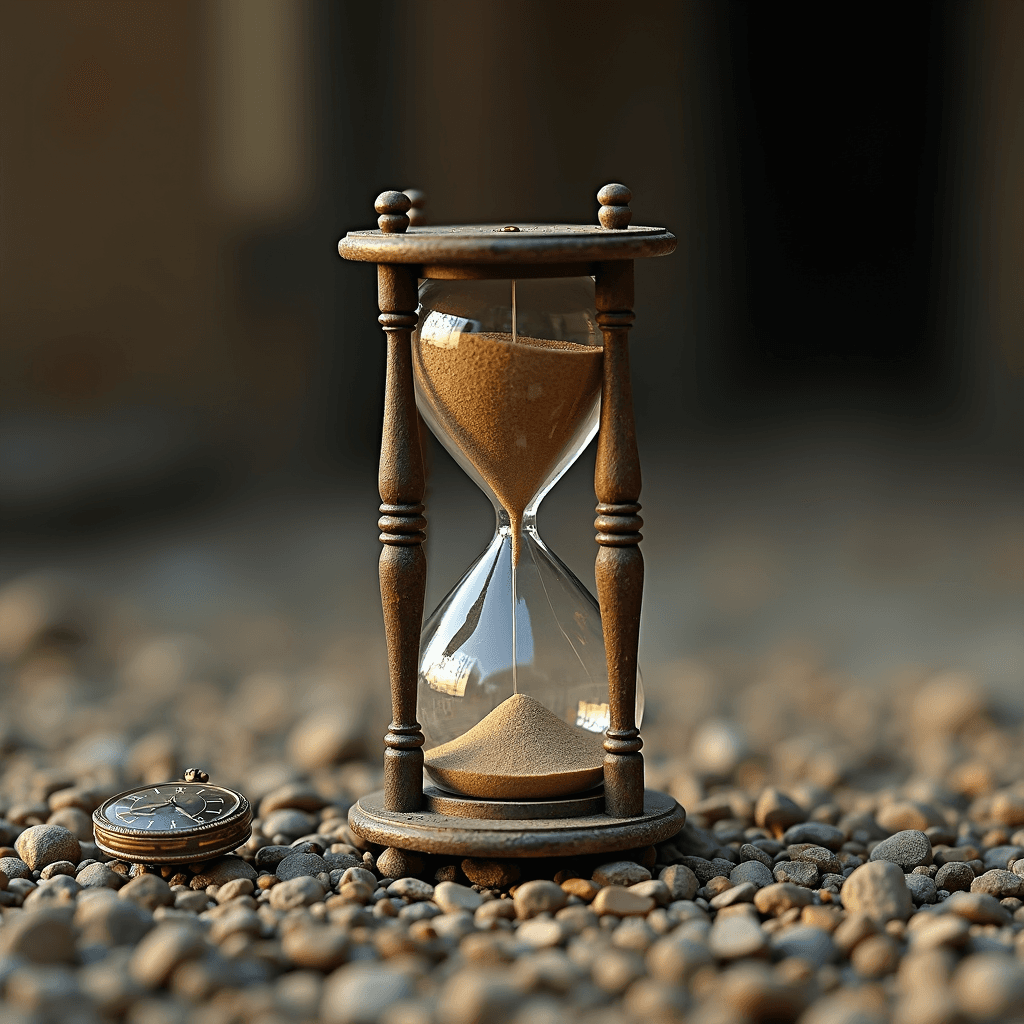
(828, 372)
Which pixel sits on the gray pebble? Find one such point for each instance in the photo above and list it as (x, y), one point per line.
(164, 948)
(978, 907)
(268, 857)
(907, 849)
(820, 856)
(750, 852)
(43, 844)
(812, 944)
(225, 869)
(58, 867)
(922, 889)
(736, 936)
(288, 822)
(15, 867)
(43, 936)
(954, 877)
(878, 890)
(799, 872)
(423, 910)
(752, 871)
(299, 864)
(411, 889)
(681, 881)
(316, 947)
(99, 876)
(358, 992)
(452, 897)
(539, 896)
(1000, 856)
(832, 881)
(620, 872)
(301, 891)
(816, 832)
(149, 891)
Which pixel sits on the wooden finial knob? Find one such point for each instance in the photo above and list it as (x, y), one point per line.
(615, 211)
(392, 207)
(417, 218)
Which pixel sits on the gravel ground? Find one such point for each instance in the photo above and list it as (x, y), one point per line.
(853, 853)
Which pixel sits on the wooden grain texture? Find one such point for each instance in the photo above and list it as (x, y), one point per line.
(659, 819)
(619, 570)
(490, 243)
(403, 567)
(443, 802)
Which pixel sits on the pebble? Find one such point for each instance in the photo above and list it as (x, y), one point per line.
(999, 883)
(299, 864)
(954, 876)
(492, 874)
(776, 812)
(922, 889)
(325, 738)
(820, 856)
(452, 897)
(753, 872)
(681, 881)
(741, 893)
(585, 889)
(317, 947)
(226, 869)
(736, 936)
(58, 867)
(541, 896)
(907, 849)
(44, 844)
(875, 957)
(298, 795)
(296, 892)
(43, 936)
(908, 815)
(878, 890)
(806, 942)
(620, 872)
(797, 872)
(614, 899)
(104, 920)
(989, 986)
(816, 832)
(655, 888)
(288, 822)
(161, 950)
(779, 897)
(149, 891)
(979, 907)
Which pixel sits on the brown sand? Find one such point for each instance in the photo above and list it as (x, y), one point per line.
(520, 750)
(510, 406)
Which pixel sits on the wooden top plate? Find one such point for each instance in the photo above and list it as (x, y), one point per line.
(489, 243)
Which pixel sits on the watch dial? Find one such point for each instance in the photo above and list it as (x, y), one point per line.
(172, 806)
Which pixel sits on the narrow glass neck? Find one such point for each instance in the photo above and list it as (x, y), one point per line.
(504, 521)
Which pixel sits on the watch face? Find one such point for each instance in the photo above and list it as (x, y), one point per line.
(171, 807)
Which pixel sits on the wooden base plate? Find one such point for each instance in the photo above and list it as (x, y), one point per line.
(432, 832)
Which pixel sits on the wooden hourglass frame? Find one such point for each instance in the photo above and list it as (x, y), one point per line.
(402, 817)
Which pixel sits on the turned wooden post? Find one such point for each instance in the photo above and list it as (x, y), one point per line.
(620, 565)
(403, 567)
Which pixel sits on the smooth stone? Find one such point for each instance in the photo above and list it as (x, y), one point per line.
(288, 822)
(741, 893)
(908, 815)
(675, 958)
(620, 872)
(1000, 856)
(169, 944)
(940, 930)
(233, 889)
(358, 874)
(655, 888)
(40, 845)
(295, 795)
(781, 896)
(43, 936)
(989, 986)
(452, 897)
(582, 888)
(149, 891)
(541, 896)
(237, 921)
(816, 832)
(908, 849)
(316, 947)
(878, 889)
(268, 857)
(751, 872)
(412, 889)
(750, 852)
(299, 864)
(776, 812)
(736, 936)
(99, 876)
(875, 957)
(296, 892)
(324, 738)
(103, 919)
(681, 881)
(853, 930)
(75, 820)
(14, 867)
(807, 942)
(58, 867)
(359, 993)
(978, 907)
(614, 899)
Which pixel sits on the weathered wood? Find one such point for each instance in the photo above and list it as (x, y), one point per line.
(659, 819)
(403, 568)
(498, 271)
(488, 243)
(619, 570)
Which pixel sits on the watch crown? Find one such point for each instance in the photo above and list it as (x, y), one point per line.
(196, 775)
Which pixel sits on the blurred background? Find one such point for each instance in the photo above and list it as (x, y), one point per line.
(829, 371)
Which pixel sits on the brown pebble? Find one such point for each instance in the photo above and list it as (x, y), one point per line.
(584, 888)
(614, 899)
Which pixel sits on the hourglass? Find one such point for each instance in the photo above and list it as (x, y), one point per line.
(510, 343)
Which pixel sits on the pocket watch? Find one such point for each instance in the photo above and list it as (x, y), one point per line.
(174, 822)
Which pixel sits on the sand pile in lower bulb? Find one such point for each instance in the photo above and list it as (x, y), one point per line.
(520, 750)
